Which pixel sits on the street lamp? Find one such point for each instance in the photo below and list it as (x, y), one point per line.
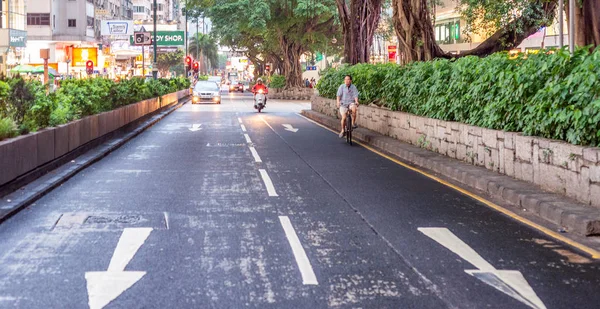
(154, 65)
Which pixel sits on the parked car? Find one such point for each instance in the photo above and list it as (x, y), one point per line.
(206, 91)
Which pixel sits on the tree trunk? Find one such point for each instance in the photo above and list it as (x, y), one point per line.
(291, 68)
(587, 22)
(359, 22)
(414, 28)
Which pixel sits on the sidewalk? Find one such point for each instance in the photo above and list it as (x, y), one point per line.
(558, 212)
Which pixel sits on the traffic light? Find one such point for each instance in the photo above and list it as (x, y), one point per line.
(89, 67)
(196, 66)
(188, 63)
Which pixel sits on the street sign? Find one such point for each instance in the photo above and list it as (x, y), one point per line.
(166, 38)
(142, 38)
(116, 27)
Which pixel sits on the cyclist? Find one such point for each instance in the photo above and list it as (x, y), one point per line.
(347, 98)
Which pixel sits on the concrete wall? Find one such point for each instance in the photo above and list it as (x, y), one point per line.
(553, 165)
(25, 153)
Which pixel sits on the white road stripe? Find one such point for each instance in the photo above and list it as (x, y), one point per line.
(308, 275)
(268, 182)
(240, 120)
(243, 127)
(248, 140)
(255, 155)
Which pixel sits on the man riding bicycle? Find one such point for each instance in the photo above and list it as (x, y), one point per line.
(347, 98)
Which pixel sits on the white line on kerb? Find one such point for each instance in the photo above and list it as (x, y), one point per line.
(268, 182)
(248, 140)
(243, 127)
(255, 155)
(308, 275)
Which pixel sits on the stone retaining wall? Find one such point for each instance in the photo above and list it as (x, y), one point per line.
(291, 94)
(25, 153)
(553, 165)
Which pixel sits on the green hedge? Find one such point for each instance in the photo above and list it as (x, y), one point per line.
(25, 107)
(551, 95)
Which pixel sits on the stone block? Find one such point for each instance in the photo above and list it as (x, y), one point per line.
(490, 138)
(591, 154)
(551, 178)
(594, 172)
(564, 154)
(509, 162)
(45, 146)
(552, 211)
(61, 140)
(577, 185)
(25, 153)
(524, 148)
(74, 134)
(523, 171)
(595, 194)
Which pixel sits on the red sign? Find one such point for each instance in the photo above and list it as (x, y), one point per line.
(392, 49)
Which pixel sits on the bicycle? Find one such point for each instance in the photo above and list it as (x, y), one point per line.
(348, 128)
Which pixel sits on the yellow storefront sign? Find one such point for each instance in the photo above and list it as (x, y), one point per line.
(82, 55)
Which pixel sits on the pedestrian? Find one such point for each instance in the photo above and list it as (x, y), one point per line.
(306, 82)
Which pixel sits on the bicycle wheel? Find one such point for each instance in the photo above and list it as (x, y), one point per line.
(349, 129)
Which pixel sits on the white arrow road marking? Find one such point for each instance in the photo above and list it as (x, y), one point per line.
(195, 127)
(268, 182)
(255, 155)
(248, 140)
(509, 282)
(308, 275)
(288, 127)
(104, 286)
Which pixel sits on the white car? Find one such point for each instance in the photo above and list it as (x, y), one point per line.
(205, 91)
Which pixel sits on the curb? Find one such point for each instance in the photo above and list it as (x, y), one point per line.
(572, 216)
(18, 200)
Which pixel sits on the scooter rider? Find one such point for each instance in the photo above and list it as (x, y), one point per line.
(260, 86)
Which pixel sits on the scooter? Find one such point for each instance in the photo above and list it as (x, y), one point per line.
(259, 100)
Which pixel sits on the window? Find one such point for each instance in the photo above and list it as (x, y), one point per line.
(72, 22)
(90, 21)
(53, 21)
(34, 19)
(138, 9)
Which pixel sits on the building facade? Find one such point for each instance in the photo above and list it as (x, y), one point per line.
(13, 33)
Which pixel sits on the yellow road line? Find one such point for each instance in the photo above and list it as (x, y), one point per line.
(595, 254)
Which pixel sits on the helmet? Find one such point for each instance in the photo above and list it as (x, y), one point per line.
(259, 80)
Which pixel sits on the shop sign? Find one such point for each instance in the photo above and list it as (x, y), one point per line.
(17, 38)
(82, 55)
(392, 50)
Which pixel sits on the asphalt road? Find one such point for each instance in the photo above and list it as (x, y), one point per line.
(218, 206)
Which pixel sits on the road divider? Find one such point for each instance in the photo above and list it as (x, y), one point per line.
(306, 270)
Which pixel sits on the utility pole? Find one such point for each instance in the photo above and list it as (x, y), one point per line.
(186, 36)
(561, 9)
(572, 26)
(154, 65)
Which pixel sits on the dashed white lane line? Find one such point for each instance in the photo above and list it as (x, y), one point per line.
(255, 155)
(240, 120)
(248, 140)
(243, 127)
(306, 270)
(268, 182)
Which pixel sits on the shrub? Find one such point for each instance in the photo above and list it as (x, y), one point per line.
(277, 82)
(549, 94)
(8, 128)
